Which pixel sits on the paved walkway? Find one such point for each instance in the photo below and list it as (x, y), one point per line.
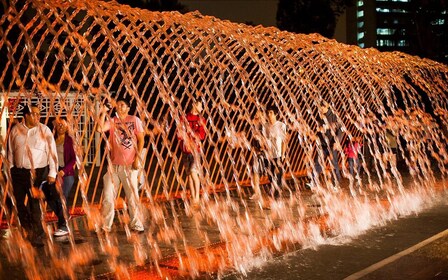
(179, 242)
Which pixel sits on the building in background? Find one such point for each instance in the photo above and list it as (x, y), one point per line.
(410, 26)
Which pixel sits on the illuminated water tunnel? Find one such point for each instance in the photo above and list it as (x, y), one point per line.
(72, 57)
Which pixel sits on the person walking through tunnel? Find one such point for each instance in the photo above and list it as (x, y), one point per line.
(33, 161)
(328, 134)
(126, 140)
(260, 163)
(276, 148)
(352, 151)
(190, 137)
(66, 155)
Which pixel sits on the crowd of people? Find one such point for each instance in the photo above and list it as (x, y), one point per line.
(40, 160)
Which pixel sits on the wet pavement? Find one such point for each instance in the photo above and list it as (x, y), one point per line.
(338, 259)
(345, 258)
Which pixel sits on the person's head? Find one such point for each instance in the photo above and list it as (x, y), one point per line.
(195, 108)
(272, 114)
(325, 107)
(31, 115)
(122, 107)
(260, 116)
(61, 125)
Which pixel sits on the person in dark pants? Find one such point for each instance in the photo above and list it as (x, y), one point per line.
(190, 134)
(33, 160)
(328, 134)
(277, 144)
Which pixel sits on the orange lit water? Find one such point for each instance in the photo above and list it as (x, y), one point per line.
(96, 51)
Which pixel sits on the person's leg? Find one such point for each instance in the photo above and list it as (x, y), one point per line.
(358, 166)
(350, 165)
(317, 165)
(67, 186)
(54, 201)
(274, 178)
(21, 181)
(195, 173)
(187, 160)
(279, 174)
(196, 185)
(335, 162)
(256, 185)
(35, 208)
(256, 170)
(129, 179)
(111, 183)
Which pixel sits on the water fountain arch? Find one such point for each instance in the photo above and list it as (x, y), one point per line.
(95, 51)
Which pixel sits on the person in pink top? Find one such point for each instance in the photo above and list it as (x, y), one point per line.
(126, 141)
(352, 151)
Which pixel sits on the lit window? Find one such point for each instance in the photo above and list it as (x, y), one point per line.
(361, 45)
(360, 24)
(360, 14)
(385, 31)
(360, 3)
(438, 21)
(403, 43)
(381, 10)
(399, 11)
(385, 43)
(360, 35)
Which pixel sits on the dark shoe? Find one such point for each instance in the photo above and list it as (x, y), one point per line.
(39, 241)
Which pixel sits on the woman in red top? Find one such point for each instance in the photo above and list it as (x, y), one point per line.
(190, 138)
(352, 151)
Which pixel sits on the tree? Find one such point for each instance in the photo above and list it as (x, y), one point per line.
(310, 16)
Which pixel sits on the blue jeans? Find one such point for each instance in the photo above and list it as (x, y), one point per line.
(352, 163)
(67, 185)
(334, 162)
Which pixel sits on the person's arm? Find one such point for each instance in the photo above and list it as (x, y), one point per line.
(140, 143)
(284, 142)
(140, 135)
(10, 153)
(70, 157)
(201, 131)
(103, 125)
(52, 155)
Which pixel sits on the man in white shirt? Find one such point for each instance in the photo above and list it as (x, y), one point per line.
(277, 141)
(33, 158)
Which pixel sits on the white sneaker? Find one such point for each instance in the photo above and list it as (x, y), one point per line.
(138, 229)
(60, 232)
(6, 234)
(254, 197)
(309, 186)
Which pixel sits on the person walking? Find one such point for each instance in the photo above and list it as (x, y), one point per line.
(260, 163)
(126, 141)
(66, 155)
(33, 160)
(190, 137)
(276, 148)
(328, 141)
(352, 150)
